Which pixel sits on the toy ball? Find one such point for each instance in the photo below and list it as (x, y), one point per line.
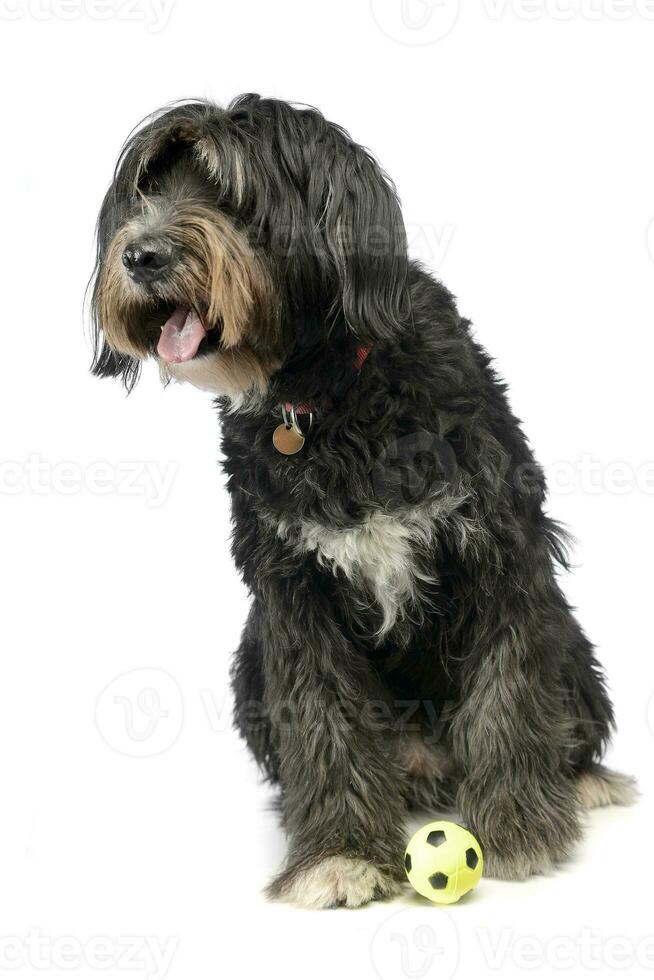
(443, 861)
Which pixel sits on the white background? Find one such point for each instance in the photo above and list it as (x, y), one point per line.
(520, 137)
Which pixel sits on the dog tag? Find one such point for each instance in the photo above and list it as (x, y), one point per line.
(287, 440)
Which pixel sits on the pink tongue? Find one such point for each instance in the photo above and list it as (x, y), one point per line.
(181, 336)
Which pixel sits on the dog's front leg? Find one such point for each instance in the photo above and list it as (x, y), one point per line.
(341, 800)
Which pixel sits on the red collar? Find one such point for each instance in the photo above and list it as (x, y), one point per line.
(309, 408)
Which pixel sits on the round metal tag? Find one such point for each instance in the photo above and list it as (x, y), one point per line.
(287, 440)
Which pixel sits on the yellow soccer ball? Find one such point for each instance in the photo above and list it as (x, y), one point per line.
(443, 861)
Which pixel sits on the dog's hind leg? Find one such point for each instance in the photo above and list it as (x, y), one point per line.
(592, 714)
(515, 732)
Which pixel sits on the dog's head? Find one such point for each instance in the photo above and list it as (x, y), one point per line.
(231, 238)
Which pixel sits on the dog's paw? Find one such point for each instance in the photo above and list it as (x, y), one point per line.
(524, 830)
(333, 881)
(515, 852)
(599, 786)
(519, 865)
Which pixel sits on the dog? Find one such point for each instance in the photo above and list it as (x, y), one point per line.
(408, 645)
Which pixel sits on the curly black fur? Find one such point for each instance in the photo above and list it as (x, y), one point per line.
(480, 655)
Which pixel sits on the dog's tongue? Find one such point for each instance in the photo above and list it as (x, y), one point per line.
(181, 335)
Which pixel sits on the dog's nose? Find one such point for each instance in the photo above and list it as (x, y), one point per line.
(146, 260)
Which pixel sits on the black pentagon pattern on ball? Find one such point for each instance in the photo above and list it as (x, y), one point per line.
(472, 858)
(407, 861)
(436, 837)
(439, 880)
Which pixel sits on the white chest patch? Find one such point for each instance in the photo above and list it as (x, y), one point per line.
(378, 555)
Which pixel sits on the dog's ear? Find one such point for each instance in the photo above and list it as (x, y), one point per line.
(359, 215)
(108, 363)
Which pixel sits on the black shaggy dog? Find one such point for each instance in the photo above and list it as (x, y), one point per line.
(408, 644)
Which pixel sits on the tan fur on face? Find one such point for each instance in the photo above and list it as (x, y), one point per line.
(219, 266)
(120, 307)
(217, 274)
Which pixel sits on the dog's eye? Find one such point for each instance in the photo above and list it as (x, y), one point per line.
(150, 184)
